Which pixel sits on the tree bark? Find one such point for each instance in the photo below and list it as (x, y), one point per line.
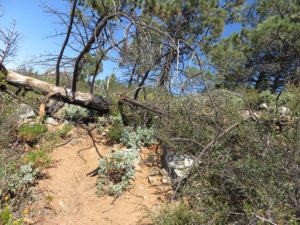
(100, 26)
(64, 94)
(57, 81)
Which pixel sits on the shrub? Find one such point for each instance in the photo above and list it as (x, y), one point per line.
(141, 136)
(75, 113)
(39, 158)
(174, 215)
(116, 130)
(117, 169)
(115, 173)
(7, 217)
(250, 172)
(31, 133)
(62, 133)
(24, 177)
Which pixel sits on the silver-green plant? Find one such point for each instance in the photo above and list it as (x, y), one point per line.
(24, 177)
(116, 171)
(74, 112)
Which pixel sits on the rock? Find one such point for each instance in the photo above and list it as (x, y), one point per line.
(53, 106)
(154, 180)
(163, 172)
(177, 164)
(25, 111)
(263, 106)
(138, 168)
(155, 172)
(74, 141)
(284, 111)
(28, 221)
(51, 121)
(165, 180)
(102, 121)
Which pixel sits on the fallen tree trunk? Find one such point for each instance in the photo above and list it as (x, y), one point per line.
(64, 94)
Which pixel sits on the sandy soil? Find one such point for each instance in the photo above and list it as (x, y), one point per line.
(69, 195)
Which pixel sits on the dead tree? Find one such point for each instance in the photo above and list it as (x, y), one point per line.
(86, 100)
(72, 15)
(9, 39)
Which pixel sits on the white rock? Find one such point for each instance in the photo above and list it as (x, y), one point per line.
(177, 164)
(51, 121)
(284, 111)
(25, 111)
(263, 106)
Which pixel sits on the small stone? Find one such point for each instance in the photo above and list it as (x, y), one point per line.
(145, 197)
(284, 111)
(155, 172)
(163, 172)
(263, 106)
(74, 141)
(25, 111)
(165, 180)
(51, 121)
(28, 221)
(138, 168)
(154, 180)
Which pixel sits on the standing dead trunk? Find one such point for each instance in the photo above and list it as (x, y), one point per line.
(141, 84)
(57, 81)
(100, 26)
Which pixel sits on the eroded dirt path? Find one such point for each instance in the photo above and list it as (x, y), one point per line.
(69, 195)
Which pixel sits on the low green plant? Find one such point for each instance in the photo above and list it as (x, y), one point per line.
(136, 138)
(75, 113)
(115, 131)
(24, 177)
(39, 158)
(62, 133)
(7, 217)
(178, 214)
(116, 172)
(31, 133)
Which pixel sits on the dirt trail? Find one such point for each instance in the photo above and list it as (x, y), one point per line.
(71, 195)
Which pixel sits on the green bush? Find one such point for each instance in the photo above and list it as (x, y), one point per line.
(75, 113)
(7, 217)
(63, 132)
(251, 172)
(116, 172)
(116, 130)
(21, 179)
(39, 158)
(136, 138)
(174, 215)
(31, 133)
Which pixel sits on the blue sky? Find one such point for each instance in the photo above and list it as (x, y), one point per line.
(35, 27)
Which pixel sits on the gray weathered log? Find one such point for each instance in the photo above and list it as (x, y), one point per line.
(64, 94)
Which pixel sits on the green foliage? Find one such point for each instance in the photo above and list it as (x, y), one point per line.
(264, 53)
(75, 113)
(250, 173)
(174, 215)
(7, 217)
(116, 172)
(31, 133)
(63, 132)
(116, 130)
(21, 179)
(137, 138)
(39, 158)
